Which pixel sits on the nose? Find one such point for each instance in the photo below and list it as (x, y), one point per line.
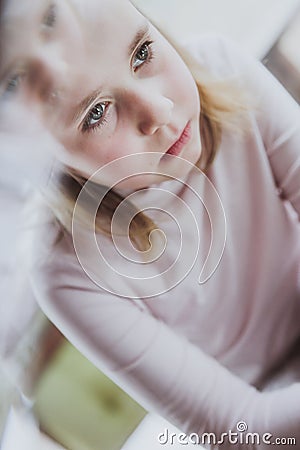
(150, 109)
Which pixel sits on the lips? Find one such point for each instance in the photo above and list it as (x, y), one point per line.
(177, 147)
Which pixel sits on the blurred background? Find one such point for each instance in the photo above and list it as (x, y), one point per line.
(45, 384)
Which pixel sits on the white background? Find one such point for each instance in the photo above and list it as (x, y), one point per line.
(255, 24)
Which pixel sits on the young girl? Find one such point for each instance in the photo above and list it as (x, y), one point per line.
(183, 287)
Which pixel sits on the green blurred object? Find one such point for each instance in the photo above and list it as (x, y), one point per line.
(80, 407)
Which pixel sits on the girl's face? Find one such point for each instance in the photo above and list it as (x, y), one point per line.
(105, 82)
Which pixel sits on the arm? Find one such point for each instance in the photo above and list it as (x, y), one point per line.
(278, 117)
(156, 366)
(276, 114)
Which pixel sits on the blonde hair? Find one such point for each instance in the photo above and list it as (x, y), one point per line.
(223, 106)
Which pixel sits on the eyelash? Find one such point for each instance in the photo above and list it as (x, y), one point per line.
(148, 45)
(87, 127)
(13, 83)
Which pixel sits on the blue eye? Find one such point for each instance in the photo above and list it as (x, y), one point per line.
(143, 55)
(13, 83)
(95, 116)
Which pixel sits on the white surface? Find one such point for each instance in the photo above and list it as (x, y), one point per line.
(21, 433)
(254, 24)
(289, 45)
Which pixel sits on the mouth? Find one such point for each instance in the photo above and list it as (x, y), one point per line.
(183, 139)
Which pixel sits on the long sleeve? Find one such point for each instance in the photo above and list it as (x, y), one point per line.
(276, 113)
(156, 366)
(279, 119)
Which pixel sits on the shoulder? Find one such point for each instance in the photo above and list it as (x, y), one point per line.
(220, 55)
(225, 60)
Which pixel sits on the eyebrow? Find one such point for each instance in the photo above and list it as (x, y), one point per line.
(85, 103)
(140, 34)
(90, 99)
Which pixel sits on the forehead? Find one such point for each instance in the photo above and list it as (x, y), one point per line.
(106, 21)
(27, 12)
(17, 18)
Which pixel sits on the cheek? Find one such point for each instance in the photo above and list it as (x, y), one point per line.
(95, 153)
(189, 89)
(112, 145)
(182, 84)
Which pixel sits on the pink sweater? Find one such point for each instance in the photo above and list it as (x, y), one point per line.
(197, 353)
